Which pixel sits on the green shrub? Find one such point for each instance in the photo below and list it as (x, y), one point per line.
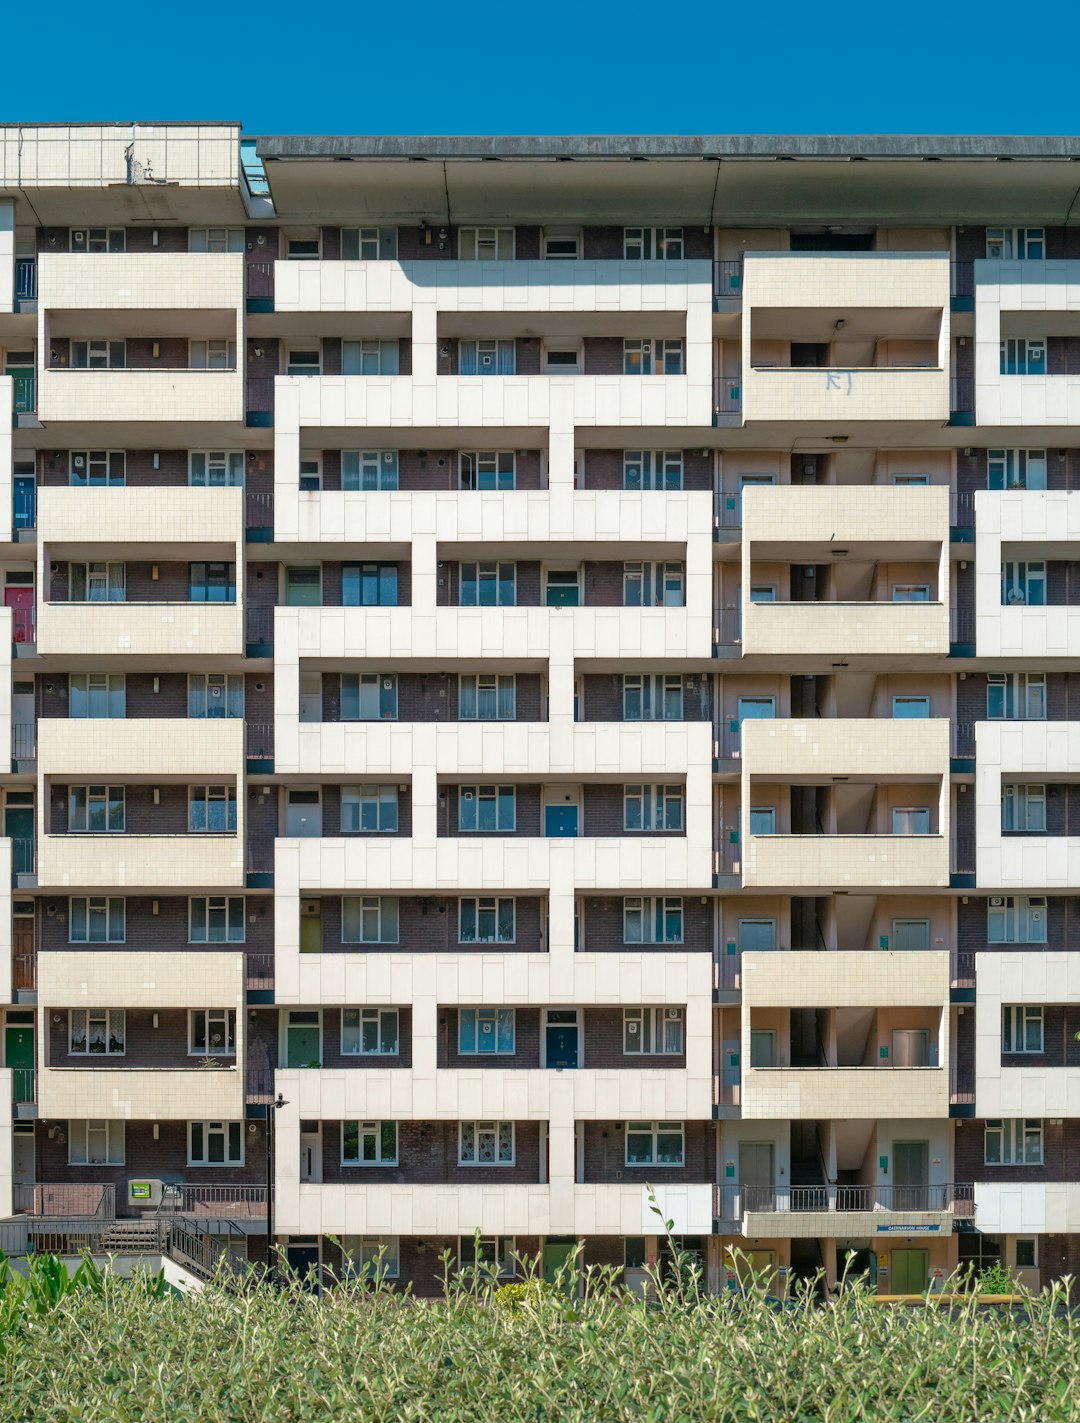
(514, 1298)
(995, 1280)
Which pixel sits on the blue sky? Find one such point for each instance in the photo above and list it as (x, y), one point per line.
(602, 66)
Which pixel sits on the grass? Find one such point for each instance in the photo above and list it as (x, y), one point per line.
(117, 1351)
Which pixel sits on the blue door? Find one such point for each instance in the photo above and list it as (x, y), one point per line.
(24, 502)
(560, 821)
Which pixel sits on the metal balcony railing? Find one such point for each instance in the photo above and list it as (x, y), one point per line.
(25, 392)
(25, 278)
(22, 625)
(732, 1202)
(260, 854)
(88, 1198)
(962, 508)
(260, 394)
(259, 970)
(24, 970)
(259, 740)
(727, 627)
(961, 624)
(23, 1085)
(727, 395)
(24, 741)
(259, 625)
(258, 509)
(727, 970)
(24, 508)
(962, 969)
(962, 275)
(259, 279)
(727, 510)
(963, 738)
(962, 858)
(23, 857)
(727, 279)
(727, 744)
(259, 1084)
(183, 1199)
(962, 394)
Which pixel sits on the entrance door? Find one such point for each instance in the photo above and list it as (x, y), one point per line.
(759, 1265)
(757, 1175)
(560, 821)
(910, 1271)
(310, 1152)
(22, 1164)
(556, 1253)
(311, 941)
(19, 1054)
(303, 814)
(311, 696)
(303, 587)
(19, 828)
(303, 1038)
(910, 1175)
(910, 1047)
(561, 1037)
(302, 1256)
(19, 597)
(22, 944)
(19, 365)
(24, 495)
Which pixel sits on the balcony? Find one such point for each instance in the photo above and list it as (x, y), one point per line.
(154, 630)
(840, 1211)
(26, 284)
(192, 863)
(826, 862)
(142, 978)
(790, 749)
(141, 747)
(822, 1093)
(141, 1093)
(898, 523)
(846, 979)
(835, 630)
(140, 281)
(72, 521)
(97, 1201)
(128, 396)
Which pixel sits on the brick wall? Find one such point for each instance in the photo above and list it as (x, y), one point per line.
(448, 592)
(331, 813)
(166, 931)
(430, 925)
(527, 811)
(172, 584)
(1061, 1154)
(526, 1043)
(145, 1046)
(603, 355)
(141, 817)
(602, 927)
(605, 244)
(605, 814)
(428, 1155)
(604, 697)
(604, 470)
(605, 1157)
(1062, 922)
(333, 577)
(263, 1041)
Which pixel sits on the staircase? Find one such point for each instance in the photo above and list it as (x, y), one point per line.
(807, 1170)
(130, 1237)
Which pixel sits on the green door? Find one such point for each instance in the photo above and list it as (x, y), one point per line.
(19, 1056)
(25, 395)
(910, 1270)
(556, 1254)
(303, 1040)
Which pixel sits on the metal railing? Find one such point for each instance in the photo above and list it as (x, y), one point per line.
(732, 1202)
(259, 624)
(259, 279)
(259, 740)
(23, 857)
(260, 854)
(961, 624)
(962, 276)
(962, 969)
(727, 743)
(727, 627)
(260, 394)
(22, 625)
(727, 395)
(962, 508)
(963, 738)
(259, 970)
(186, 1200)
(24, 970)
(962, 857)
(259, 1084)
(727, 279)
(23, 1085)
(25, 278)
(258, 509)
(23, 741)
(962, 394)
(67, 1198)
(962, 1085)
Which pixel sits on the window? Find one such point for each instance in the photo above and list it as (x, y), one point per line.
(212, 1032)
(485, 1143)
(311, 473)
(1023, 582)
(370, 358)
(216, 239)
(486, 244)
(1016, 696)
(368, 809)
(96, 695)
(911, 820)
(1016, 919)
(212, 582)
(369, 696)
(97, 239)
(653, 244)
(1021, 1028)
(653, 920)
(369, 469)
(762, 820)
(96, 810)
(909, 708)
(909, 479)
(96, 1032)
(1027, 1252)
(97, 469)
(911, 935)
(485, 1031)
(212, 355)
(1022, 243)
(1016, 469)
(303, 362)
(369, 244)
(911, 592)
(302, 249)
(562, 587)
(96, 1143)
(96, 921)
(487, 357)
(757, 936)
(98, 355)
(487, 808)
(369, 919)
(1023, 809)
(488, 585)
(216, 469)
(369, 585)
(561, 244)
(763, 592)
(369, 1032)
(97, 582)
(655, 1144)
(216, 919)
(1014, 1141)
(486, 469)
(652, 469)
(369, 1144)
(647, 585)
(762, 1047)
(647, 807)
(562, 359)
(487, 697)
(371, 1256)
(1023, 356)
(662, 357)
(486, 920)
(215, 1144)
(653, 1030)
(215, 695)
(212, 810)
(490, 1252)
(652, 696)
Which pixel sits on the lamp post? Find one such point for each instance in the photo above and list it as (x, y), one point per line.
(271, 1109)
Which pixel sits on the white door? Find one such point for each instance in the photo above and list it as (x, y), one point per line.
(311, 696)
(22, 1159)
(311, 1153)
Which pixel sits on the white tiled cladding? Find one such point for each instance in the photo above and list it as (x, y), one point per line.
(159, 630)
(93, 155)
(822, 1093)
(828, 862)
(1028, 1207)
(493, 748)
(830, 1225)
(845, 980)
(868, 393)
(161, 516)
(140, 281)
(827, 280)
(93, 862)
(1029, 751)
(1027, 523)
(141, 1093)
(852, 746)
(1033, 289)
(82, 978)
(846, 629)
(146, 746)
(1020, 1091)
(131, 397)
(844, 514)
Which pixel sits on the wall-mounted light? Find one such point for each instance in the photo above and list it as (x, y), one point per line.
(156, 460)
(157, 1130)
(155, 349)
(155, 904)
(155, 1020)
(258, 352)
(157, 685)
(154, 238)
(157, 795)
(154, 572)
(57, 1018)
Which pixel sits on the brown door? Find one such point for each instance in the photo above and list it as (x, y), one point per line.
(22, 951)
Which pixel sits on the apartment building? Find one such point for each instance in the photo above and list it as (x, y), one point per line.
(543, 688)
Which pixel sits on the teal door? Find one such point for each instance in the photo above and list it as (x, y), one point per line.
(19, 1056)
(560, 821)
(25, 402)
(556, 1255)
(561, 1038)
(303, 1040)
(19, 828)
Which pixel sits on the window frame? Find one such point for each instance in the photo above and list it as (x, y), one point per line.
(210, 1129)
(499, 798)
(378, 905)
(662, 470)
(653, 1131)
(487, 471)
(1023, 910)
(1018, 800)
(107, 1018)
(1018, 689)
(382, 465)
(1008, 468)
(367, 1014)
(1014, 1134)
(227, 909)
(385, 250)
(498, 691)
(111, 464)
(113, 238)
(500, 1023)
(660, 808)
(654, 356)
(387, 695)
(1016, 1020)
(104, 798)
(487, 904)
(231, 464)
(114, 917)
(498, 237)
(375, 1128)
(212, 353)
(651, 1027)
(102, 580)
(115, 1141)
(487, 1127)
(654, 244)
(498, 574)
(231, 691)
(225, 1019)
(383, 797)
(653, 688)
(233, 239)
(209, 795)
(98, 355)
(655, 910)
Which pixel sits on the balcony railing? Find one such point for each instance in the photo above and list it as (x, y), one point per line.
(962, 969)
(962, 278)
(962, 394)
(963, 738)
(25, 392)
(962, 1085)
(727, 279)
(22, 625)
(259, 740)
(727, 395)
(962, 858)
(23, 1085)
(24, 741)
(181, 1199)
(259, 625)
(260, 854)
(258, 509)
(25, 278)
(961, 625)
(733, 1202)
(24, 508)
(260, 280)
(88, 1198)
(727, 970)
(259, 970)
(727, 512)
(727, 743)
(259, 1084)
(260, 395)
(23, 857)
(962, 510)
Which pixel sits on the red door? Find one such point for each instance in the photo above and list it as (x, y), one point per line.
(21, 600)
